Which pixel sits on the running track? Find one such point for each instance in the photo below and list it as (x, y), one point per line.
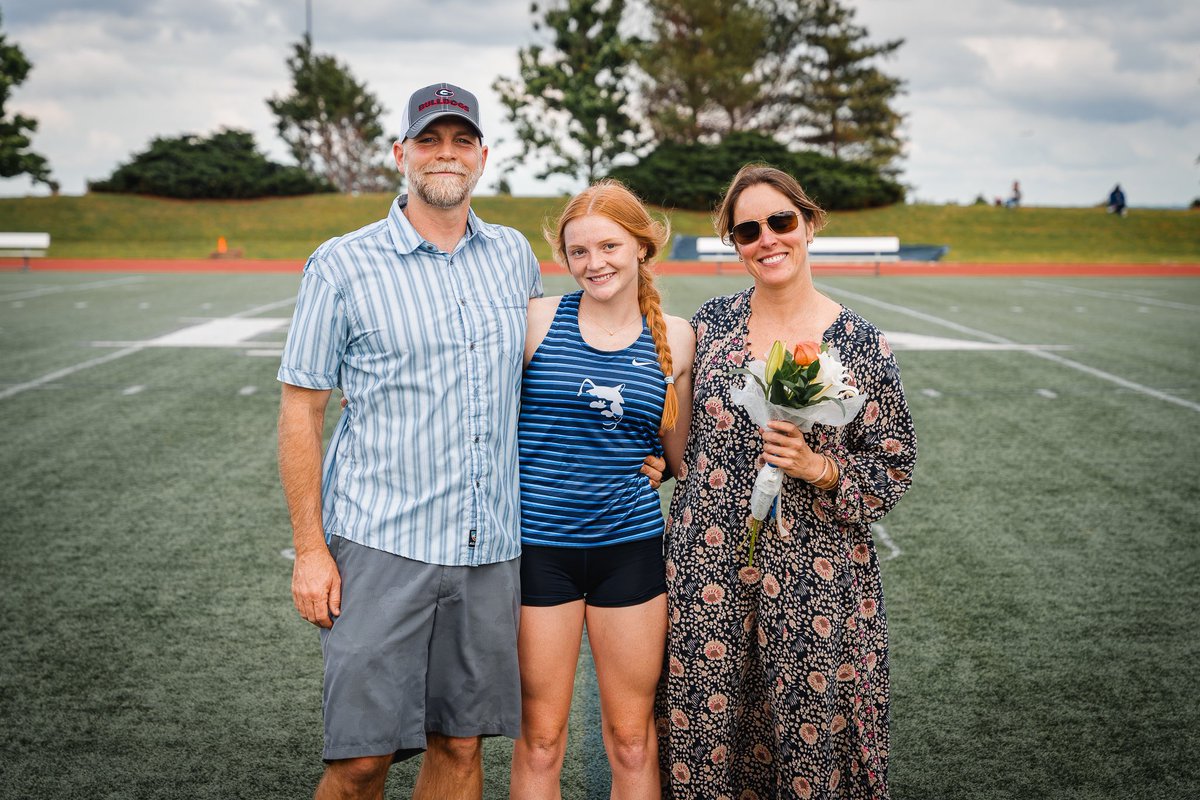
(732, 268)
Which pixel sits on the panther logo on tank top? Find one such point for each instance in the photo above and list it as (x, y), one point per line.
(608, 401)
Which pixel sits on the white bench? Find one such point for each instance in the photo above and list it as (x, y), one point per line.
(839, 249)
(23, 245)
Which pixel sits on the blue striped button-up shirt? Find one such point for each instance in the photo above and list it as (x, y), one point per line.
(427, 348)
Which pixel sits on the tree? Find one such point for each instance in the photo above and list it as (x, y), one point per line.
(799, 70)
(700, 67)
(568, 100)
(226, 165)
(331, 123)
(845, 101)
(15, 156)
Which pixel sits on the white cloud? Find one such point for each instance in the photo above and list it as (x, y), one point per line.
(1067, 96)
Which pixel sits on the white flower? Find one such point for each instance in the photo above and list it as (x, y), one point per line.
(833, 376)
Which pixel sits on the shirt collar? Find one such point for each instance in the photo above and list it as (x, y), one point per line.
(408, 241)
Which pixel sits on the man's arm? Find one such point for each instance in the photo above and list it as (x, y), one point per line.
(316, 585)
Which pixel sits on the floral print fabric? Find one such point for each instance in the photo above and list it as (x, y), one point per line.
(776, 682)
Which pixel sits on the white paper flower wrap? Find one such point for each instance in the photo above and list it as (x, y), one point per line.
(827, 411)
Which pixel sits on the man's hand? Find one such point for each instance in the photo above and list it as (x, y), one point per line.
(317, 587)
(653, 468)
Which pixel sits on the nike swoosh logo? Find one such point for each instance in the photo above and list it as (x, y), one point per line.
(637, 362)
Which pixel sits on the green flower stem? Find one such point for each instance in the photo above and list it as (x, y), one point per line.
(755, 524)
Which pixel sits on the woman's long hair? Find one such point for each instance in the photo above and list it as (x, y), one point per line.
(612, 199)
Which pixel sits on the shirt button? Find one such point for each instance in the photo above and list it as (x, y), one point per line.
(472, 346)
(476, 439)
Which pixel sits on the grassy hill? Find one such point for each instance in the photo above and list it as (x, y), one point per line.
(121, 226)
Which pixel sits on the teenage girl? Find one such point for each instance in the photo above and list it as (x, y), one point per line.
(607, 382)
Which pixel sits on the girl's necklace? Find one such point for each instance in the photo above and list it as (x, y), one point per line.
(617, 330)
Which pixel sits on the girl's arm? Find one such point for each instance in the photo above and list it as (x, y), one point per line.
(539, 315)
(682, 340)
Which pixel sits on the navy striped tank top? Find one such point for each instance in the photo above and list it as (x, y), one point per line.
(588, 419)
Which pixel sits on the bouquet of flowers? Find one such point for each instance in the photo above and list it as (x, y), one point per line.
(804, 386)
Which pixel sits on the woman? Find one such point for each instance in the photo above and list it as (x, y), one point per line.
(776, 683)
(603, 367)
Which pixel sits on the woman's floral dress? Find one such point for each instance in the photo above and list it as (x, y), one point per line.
(776, 684)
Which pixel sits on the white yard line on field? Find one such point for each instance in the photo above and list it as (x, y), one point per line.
(1153, 301)
(81, 287)
(62, 373)
(253, 312)
(51, 377)
(991, 337)
(221, 332)
(881, 535)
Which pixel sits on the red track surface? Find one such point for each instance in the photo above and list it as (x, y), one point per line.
(894, 268)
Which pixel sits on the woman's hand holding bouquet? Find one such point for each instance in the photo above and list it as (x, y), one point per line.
(803, 386)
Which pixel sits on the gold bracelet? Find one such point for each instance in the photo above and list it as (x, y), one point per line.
(834, 478)
(835, 472)
(817, 481)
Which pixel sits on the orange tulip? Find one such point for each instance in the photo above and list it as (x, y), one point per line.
(805, 353)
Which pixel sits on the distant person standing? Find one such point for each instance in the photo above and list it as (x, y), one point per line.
(1014, 201)
(1116, 201)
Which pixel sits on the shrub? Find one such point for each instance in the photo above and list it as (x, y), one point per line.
(226, 165)
(694, 176)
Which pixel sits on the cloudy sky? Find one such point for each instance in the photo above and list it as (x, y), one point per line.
(1067, 96)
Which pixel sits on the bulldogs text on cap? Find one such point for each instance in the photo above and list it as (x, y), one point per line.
(436, 101)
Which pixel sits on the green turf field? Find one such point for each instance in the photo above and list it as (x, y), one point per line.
(1041, 576)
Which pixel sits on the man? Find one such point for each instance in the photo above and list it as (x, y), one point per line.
(1014, 200)
(1116, 201)
(407, 547)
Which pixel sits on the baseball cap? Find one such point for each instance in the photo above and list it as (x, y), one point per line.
(437, 101)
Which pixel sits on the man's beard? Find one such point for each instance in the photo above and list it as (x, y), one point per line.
(443, 191)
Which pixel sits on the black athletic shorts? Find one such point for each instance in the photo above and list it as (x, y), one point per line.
(611, 576)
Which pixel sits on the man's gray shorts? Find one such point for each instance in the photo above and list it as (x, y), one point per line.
(419, 648)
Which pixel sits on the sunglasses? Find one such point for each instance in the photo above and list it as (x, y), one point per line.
(780, 222)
